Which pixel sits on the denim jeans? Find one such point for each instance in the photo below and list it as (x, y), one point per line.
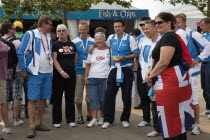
(205, 83)
(97, 90)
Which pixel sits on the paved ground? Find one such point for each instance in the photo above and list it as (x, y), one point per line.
(117, 132)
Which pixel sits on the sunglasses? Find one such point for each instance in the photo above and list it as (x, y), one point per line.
(159, 22)
(13, 28)
(61, 31)
(49, 24)
(141, 25)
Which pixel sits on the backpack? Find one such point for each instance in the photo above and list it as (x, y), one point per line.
(12, 54)
(186, 58)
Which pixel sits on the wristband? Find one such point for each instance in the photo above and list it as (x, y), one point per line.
(61, 72)
(123, 57)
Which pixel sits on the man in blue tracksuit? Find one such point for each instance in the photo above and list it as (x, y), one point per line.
(35, 61)
(205, 73)
(124, 49)
(139, 76)
(147, 45)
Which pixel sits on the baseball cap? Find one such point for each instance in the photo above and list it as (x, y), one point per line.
(18, 24)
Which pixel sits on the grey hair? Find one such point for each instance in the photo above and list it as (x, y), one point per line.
(62, 27)
(101, 34)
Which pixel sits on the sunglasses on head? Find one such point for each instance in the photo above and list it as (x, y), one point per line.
(159, 22)
(141, 25)
(61, 31)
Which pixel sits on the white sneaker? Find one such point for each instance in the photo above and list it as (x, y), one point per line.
(125, 124)
(208, 116)
(153, 134)
(20, 122)
(6, 130)
(2, 123)
(196, 129)
(106, 125)
(143, 123)
(72, 124)
(92, 123)
(57, 125)
(101, 121)
(205, 113)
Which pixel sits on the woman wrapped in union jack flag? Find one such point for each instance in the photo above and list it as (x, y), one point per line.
(172, 87)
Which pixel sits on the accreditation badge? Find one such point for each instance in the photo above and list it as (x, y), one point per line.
(83, 63)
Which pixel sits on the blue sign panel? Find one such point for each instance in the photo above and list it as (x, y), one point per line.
(103, 14)
(97, 14)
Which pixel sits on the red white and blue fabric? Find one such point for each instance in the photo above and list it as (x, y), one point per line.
(174, 103)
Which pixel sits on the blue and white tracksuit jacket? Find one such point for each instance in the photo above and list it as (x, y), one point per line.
(145, 59)
(28, 55)
(122, 47)
(197, 42)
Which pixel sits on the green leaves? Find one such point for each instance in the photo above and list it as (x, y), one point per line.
(51, 7)
(201, 5)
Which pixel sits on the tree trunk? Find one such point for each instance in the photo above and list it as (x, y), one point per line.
(64, 18)
(208, 8)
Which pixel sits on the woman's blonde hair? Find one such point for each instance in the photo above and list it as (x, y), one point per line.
(62, 27)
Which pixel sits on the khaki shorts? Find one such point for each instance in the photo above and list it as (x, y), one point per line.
(2, 91)
(79, 91)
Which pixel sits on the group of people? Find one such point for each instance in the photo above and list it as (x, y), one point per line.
(168, 54)
(10, 75)
(170, 83)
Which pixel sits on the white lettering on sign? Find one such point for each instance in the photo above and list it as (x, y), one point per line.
(104, 14)
(127, 14)
(116, 14)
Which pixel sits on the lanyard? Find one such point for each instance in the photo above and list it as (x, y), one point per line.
(177, 29)
(84, 46)
(118, 51)
(43, 43)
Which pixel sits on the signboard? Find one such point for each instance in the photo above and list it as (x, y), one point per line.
(103, 14)
(97, 14)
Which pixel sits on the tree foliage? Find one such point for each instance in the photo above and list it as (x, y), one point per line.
(201, 5)
(55, 8)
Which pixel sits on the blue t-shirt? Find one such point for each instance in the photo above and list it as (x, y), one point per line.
(122, 47)
(82, 52)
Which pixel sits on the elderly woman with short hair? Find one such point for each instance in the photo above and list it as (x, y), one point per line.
(64, 77)
(96, 72)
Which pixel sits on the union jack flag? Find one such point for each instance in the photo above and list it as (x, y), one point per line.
(174, 103)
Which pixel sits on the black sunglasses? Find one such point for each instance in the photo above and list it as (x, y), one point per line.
(159, 22)
(141, 25)
(50, 24)
(61, 31)
(13, 28)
